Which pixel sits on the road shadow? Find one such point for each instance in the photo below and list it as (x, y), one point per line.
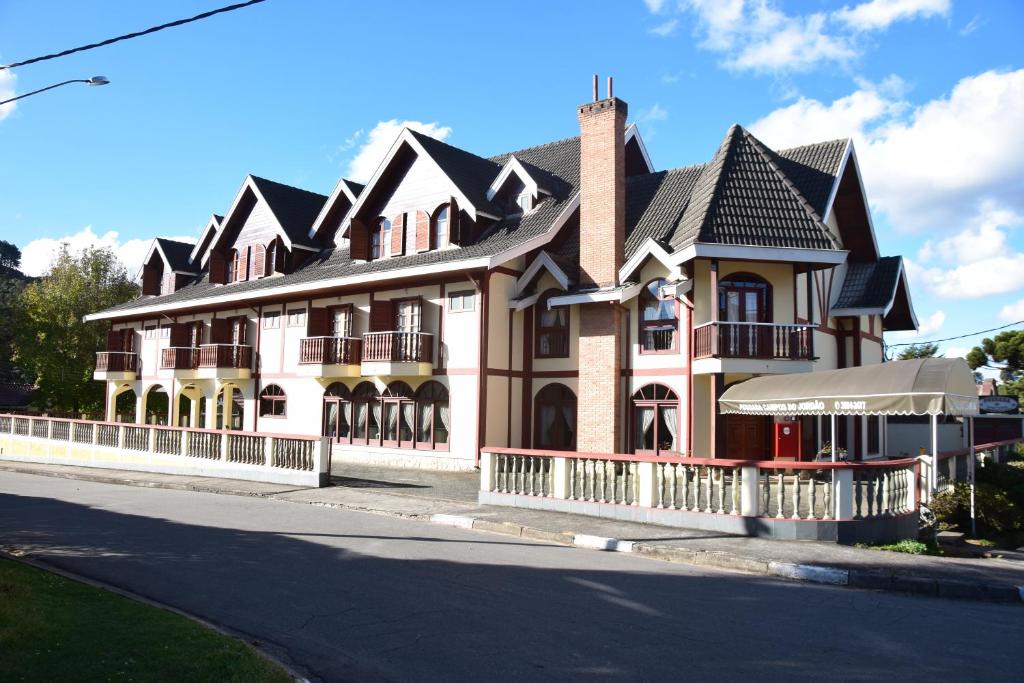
(446, 604)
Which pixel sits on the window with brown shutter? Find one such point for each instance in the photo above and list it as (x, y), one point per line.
(455, 235)
(316, 322)
(398, 235)
(243, 264)
(218, 268)
(238, 328)
(220, 331)
(359, 240)
(382, 316)
(259, 261)
(114, 340)
(150, 280)
(422, 231)
(408, 314)
(179, 334)
(128, 340)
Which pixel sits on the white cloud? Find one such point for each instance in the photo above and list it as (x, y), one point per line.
(997, 275)
(879, 14)
(956, 352)
(666, 28)
(38, 255)
(1011, 313)
(655, 113)
(926, 327)
(379, 141)
(983, 238)
(755, 35)
(928, 167)
(7, 83)
(973, 25)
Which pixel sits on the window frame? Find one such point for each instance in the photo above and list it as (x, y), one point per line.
(271, 320)
(149, 331)
(432, 445)
(435, 242)
(637, 401)
(643, 324)
(300, 321)
(540, 330)
(462, 296)
(274, 400)
(540, 401)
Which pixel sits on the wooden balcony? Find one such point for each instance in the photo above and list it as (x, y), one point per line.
(209, 361)
(397, 353)
(116, 365)
(330, 357)
(753, 341)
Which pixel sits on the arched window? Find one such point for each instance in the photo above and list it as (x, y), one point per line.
(656, 420)
(337, 422)
(439, 229)
(232, 265)
(271, 266)
(659, 320)
(366, 415)
(273, 402)
(554, 418)
(380, 241)
(236, 408)
(433, 416)
(552, 333)
(743, 301)
(399, 414)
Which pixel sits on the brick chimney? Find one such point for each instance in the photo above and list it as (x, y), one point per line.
(602, 242)
(602, 189)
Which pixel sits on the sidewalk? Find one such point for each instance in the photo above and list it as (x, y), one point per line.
(450, 498)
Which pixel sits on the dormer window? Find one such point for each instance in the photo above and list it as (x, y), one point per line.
(439, 229)
(272, 258)
(525, 201)
(380, 240)
(233, 265)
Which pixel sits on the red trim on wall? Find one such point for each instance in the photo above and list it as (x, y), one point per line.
(527, 385)
(482, 364)
(508, 421)
(506, 271)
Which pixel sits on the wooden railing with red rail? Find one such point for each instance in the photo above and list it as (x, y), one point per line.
(398, 347)
(225, 356)
(116, 361)
(754, 340)
(179, 358)
(330, 350)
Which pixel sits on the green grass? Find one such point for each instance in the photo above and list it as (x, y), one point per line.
(908, 546)
(55, 629)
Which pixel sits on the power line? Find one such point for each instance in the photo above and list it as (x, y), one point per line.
(960, 336)
(127, 36)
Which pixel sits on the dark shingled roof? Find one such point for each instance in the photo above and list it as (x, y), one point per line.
(742, 197)
(353, 186)
(294, 208)
(747, 194)
(870, 285)
(177, 254)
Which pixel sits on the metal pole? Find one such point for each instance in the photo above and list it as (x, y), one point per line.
(934, 483)
(970, 472)
(832, 437)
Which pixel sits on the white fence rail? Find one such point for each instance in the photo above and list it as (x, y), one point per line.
(274, 458)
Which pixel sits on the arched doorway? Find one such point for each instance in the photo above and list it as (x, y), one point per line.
(744, 304)
(232, 418)
(156, 406)
(125, 404)
(554, 418)
(399, 415)
(747, 437)
(365, 414)
(337, 420)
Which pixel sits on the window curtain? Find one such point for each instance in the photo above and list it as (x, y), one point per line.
(570, 423)
(668, 415)
(408, 420)
(443, 412)
(343, 426)
(360, 418)
(426, 413)
(646, 415)
(547, 419)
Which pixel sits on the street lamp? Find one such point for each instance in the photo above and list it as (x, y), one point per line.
(95, 80)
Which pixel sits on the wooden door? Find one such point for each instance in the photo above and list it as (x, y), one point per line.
(746, 437)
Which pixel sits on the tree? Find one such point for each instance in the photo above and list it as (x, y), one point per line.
(1005, 352)
(11, 286)
(10, 255)
(925, 350)
(53, 345)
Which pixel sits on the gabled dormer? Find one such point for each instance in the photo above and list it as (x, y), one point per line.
(335, 209)
(206, 239)
(519, 187)
(425, 195)
(167, 266)
(266, 232)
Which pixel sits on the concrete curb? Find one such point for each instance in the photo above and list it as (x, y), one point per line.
(871, 579)
(244, 638)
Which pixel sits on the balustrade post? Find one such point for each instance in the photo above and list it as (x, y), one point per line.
(185, 436)
(268, 451)
(488, 467)
(560, 478)
(749, 480)
(842, 496)
(151, 440)
(648, 477)
(120, 435)
(224, 446)
(49, 430)
(95, 434)
(910, 501)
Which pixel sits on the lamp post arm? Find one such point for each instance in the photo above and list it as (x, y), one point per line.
(49, 87)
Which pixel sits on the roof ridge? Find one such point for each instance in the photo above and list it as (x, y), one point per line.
(765, 154)
(713, 194)
(813, 144)
(522, 150)
(424, 136)
(261, 179)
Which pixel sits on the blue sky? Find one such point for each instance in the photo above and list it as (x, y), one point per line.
(303, 92)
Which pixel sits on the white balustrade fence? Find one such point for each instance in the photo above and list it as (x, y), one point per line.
(285, 459)
(690, 491)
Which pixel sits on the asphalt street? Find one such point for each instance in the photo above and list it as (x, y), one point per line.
(346, 595)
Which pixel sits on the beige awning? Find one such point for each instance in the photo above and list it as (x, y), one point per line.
(925, 386)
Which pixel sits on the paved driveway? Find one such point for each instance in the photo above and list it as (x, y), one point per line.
(355, 596)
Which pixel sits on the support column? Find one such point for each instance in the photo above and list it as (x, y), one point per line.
(934, 483)
(717, 419)
(599, 419)
(140, 407)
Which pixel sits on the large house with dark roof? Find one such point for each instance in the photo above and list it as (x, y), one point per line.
(568, 296)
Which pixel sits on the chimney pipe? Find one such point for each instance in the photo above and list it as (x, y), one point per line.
(595, 87)
(609, 87)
